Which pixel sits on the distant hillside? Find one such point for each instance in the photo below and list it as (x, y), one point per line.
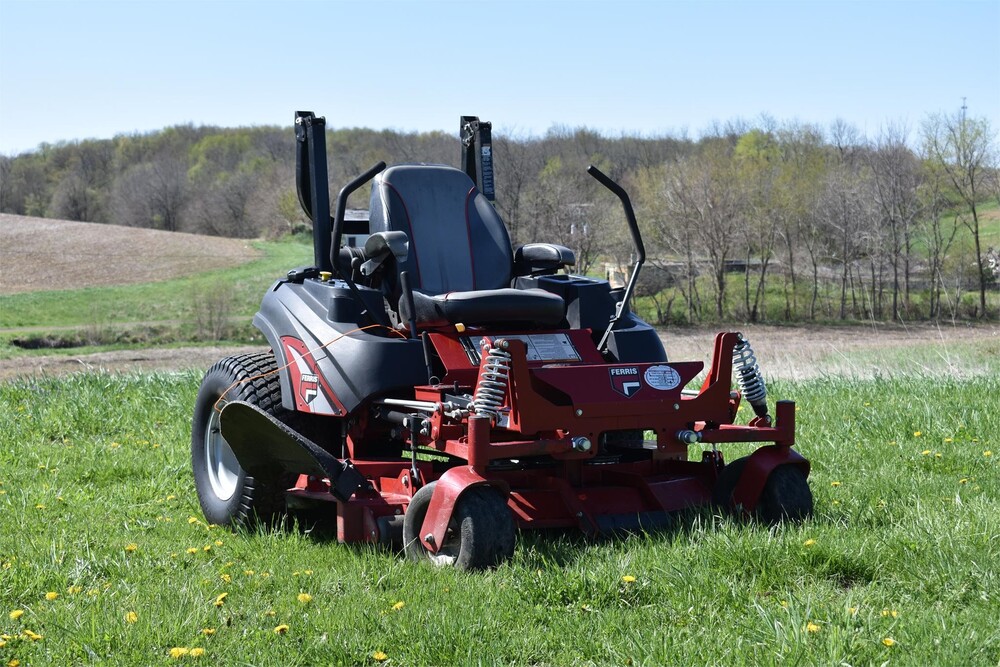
(773, 221)
(44, 254)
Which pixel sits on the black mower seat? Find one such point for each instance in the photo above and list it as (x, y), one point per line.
(460, 262)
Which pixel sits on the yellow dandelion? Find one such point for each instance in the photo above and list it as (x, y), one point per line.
(207, 547)
(964, 480)
(269, 612)
(171, 497)
(39, 506)
(948, 440)
(73, 590)
(889, 612)
(937, 455)
(834, 483)
(51, 595)
(16, 614)
(192, 550)
(810, 542)
(281, 629)
(308, 573)
(208, 632)
(852, 610)
(226, 578)
(192, 519)
(130, 547)
(218, 543)
(988, 453)
(197, 652)
(379, 656)
(628, 579)
(131, 617)
(926, 452)
(399, 605)
(889, 641)
(179, 652)
(33, 636)
(248, 573)
(220, 599)
(917, 434)
(304, 598)
(14, 663)
(812, 627)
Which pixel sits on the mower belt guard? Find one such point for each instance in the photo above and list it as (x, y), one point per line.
(264, 445)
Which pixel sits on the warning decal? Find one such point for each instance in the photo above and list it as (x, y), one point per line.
(662, 377)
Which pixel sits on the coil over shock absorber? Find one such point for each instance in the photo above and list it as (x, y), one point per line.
(494, 375)
(749, 377)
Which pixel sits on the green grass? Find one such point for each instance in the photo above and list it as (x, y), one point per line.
(905, 545)
(166, 301)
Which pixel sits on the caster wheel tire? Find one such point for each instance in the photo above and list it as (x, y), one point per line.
(786, 495)
(480, 535)
(228, 495)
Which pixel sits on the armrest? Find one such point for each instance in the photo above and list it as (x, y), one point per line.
(541, 258)
(380, 245)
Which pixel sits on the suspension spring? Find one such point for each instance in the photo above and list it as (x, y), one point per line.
(749, 377)
(494, 375)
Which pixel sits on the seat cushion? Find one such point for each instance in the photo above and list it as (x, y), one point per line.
(513, 308)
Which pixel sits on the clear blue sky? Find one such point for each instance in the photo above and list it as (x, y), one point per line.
(81, 69)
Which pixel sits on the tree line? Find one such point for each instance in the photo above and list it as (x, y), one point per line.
(763, 220)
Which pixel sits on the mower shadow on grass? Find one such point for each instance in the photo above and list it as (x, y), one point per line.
(547, 548)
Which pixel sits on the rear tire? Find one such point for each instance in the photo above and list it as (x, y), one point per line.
(480, 535)
(228, 495)
(786, 495)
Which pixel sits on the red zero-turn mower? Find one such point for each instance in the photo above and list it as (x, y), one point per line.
(438, 389)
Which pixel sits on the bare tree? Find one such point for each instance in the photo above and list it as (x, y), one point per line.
(896, 175)
(964, 150)
(152, 194)
(517, 165)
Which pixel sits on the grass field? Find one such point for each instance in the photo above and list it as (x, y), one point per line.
(106, 560)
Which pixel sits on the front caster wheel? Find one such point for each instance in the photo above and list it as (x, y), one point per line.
(480, 535)
(786, 495)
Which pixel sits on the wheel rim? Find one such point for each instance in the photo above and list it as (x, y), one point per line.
(448, 553)
(220, 462)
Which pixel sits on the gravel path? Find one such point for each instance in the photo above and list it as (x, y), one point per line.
(792, 353)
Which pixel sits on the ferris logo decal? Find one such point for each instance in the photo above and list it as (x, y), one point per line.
(308, 387)
(625, 380)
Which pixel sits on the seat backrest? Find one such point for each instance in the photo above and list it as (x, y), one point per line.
(458, 242)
